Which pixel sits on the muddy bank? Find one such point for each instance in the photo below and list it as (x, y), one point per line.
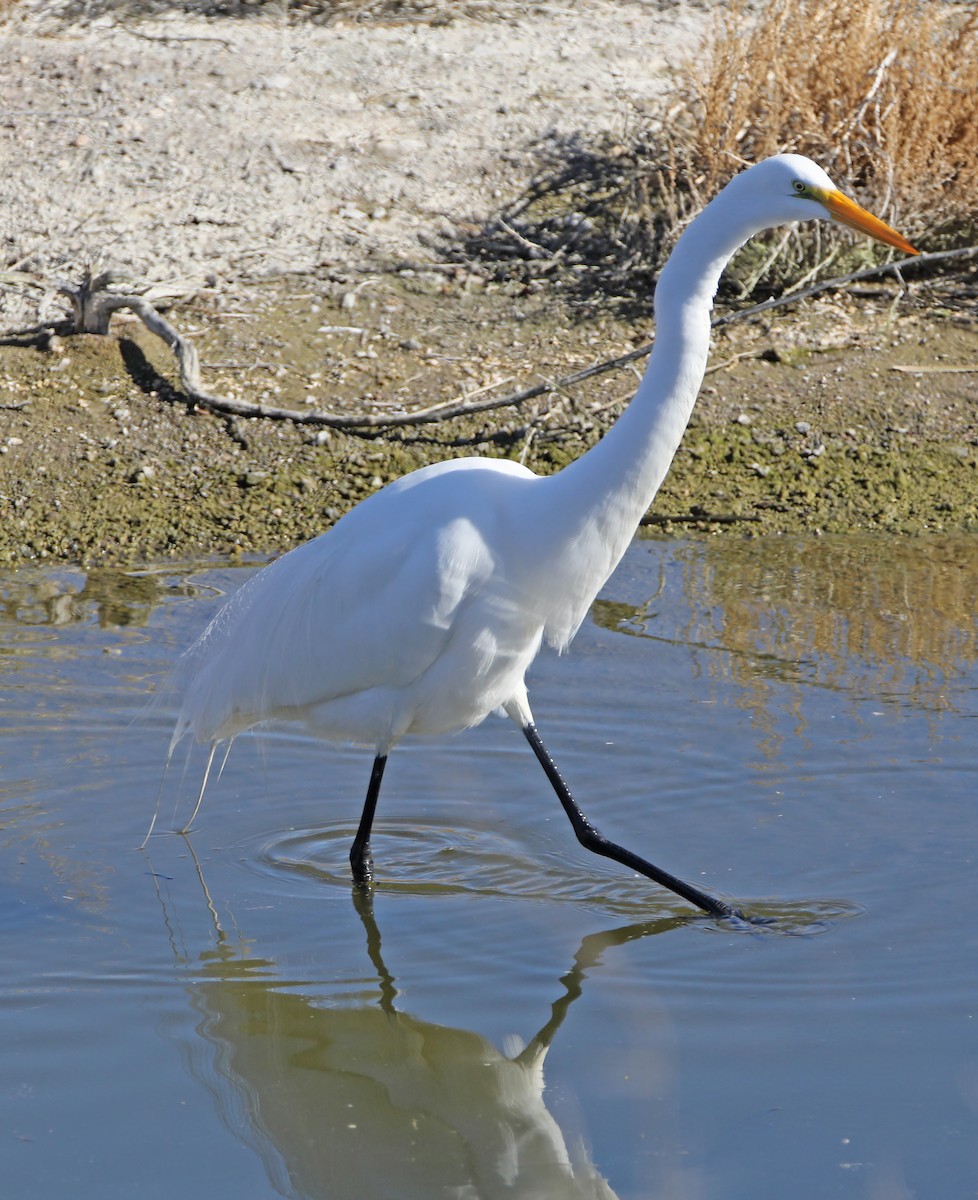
(804, 424)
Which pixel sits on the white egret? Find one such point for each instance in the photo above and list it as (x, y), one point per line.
(420, 611)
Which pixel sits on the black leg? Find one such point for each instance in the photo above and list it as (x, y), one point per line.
(360, 859)
(591, 839)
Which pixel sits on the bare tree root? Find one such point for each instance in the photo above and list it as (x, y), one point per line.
(93, 306)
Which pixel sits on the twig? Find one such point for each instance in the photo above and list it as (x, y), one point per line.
(734, 358)
(176, 37)
(15, 278)
(935, 370)
(446, 411)
(842, 280)
(534, 249)
(857, 116)
(285, 164)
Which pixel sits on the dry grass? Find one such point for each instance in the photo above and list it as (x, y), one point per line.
(882, 93)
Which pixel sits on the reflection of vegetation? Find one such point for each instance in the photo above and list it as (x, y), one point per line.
(109, 598)
(902, 609)
(121, 599)
(865, 615)
(39, 598)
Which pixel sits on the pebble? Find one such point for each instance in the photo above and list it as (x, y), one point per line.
(351, 213)
(271, 83)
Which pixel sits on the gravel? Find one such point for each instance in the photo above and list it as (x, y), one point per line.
(185, 150)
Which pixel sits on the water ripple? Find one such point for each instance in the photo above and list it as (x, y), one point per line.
(435, 859)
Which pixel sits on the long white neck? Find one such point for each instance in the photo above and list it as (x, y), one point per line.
(597, 502)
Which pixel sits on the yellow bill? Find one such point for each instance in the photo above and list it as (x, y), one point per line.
(848, 212)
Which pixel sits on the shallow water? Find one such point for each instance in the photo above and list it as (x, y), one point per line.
(785, 722)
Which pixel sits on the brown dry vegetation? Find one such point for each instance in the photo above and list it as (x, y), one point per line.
(882, 93)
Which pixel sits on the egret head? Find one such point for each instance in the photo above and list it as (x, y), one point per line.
(796, 189)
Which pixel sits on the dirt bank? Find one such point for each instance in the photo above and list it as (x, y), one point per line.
(290, 179)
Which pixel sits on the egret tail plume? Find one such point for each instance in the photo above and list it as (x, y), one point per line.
(159, 801)
(203, 782)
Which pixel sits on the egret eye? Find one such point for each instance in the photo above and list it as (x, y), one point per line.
(799, 187)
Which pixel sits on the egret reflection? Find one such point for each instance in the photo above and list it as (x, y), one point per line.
(367, 1100)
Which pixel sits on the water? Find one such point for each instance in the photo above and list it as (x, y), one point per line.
(788, 723)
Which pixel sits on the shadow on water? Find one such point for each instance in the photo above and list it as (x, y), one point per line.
(369, 1100)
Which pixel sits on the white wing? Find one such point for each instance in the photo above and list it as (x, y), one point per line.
(370, 603)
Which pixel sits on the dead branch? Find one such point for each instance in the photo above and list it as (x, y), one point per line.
(14, 278)
(843, 281)
(93, 306)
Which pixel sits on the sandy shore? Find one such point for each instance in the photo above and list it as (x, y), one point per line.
(189, 149)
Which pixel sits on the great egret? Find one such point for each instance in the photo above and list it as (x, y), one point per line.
(421, 610)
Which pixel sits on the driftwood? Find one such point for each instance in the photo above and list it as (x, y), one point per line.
(93, 305)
